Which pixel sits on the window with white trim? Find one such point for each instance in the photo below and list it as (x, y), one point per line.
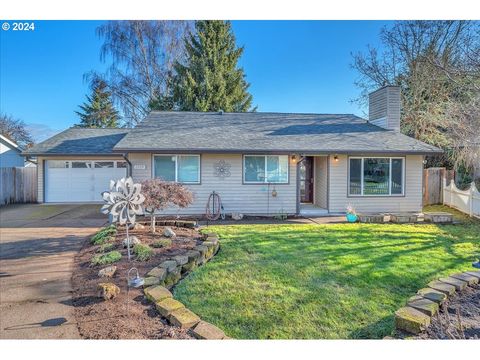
(376, 176)
(179, 168)
(265, 169)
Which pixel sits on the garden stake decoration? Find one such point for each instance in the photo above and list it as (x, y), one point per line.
(123, 201)
(134, 282)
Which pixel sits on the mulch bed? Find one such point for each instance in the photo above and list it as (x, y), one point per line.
(99, 319)
(460, 318)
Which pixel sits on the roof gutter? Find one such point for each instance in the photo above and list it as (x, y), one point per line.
(279, 152)
(129, 167)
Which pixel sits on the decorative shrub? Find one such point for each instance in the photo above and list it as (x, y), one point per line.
(160, 194)
(162, 243)
(106, 247)
(108, 258)
(104, 235)
(143, 252)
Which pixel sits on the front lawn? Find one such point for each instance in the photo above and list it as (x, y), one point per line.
(321, 281)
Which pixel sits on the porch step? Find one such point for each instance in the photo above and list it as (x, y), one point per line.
(311, 211)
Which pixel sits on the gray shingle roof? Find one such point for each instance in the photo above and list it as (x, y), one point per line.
(265, 132)
(79, 141)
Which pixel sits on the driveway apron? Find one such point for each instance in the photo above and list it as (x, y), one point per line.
(38, 244)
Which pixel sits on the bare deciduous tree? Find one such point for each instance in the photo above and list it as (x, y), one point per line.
(436, 65)
(16, 130)
(142, 54)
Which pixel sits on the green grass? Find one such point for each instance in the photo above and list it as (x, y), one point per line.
(321, 281)
(108, 258)
(143, 252)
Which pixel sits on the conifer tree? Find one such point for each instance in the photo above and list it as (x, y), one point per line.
(210, 79)
(98, 111)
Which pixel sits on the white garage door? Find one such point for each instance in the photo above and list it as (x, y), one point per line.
(80, 180)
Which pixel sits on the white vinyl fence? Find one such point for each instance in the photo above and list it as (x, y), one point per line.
(467, 201)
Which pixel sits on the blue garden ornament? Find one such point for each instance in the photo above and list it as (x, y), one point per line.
(477, 263)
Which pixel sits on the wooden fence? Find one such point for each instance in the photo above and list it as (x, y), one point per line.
(18, 185)
(467, 201)
(433, 179)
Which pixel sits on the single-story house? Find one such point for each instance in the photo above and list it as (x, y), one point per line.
(10, 153)
(259, 163)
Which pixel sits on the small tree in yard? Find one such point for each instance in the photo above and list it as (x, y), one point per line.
(160, 194)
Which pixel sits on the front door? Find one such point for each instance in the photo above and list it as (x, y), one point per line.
(306, 180)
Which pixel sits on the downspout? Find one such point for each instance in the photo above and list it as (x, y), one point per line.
(129, 164)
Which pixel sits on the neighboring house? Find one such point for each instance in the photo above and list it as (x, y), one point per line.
(259, 163)
(10, 153)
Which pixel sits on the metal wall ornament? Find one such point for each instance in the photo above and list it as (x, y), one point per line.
(222, 169)
(123, 201)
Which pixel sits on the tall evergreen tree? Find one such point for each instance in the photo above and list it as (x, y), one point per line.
(98, 111)
(210, 79)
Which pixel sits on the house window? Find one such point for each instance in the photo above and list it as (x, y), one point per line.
(265, 169)
(179, 168)
(376, 176)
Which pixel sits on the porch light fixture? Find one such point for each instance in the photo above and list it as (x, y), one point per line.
(335, 158)
(294, 159)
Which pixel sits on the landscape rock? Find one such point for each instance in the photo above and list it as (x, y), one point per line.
(468, 278)
(438, 217)
(403, 218)
(157, 293)
(207, 331)
(169, 265)
(168, 232)
(183, 318)
(237, 216)
(107, 291)
(433, 295)
(107, 272)
(474, 273)
(173, 277)
(371, 218)
(158, 272)
(411, 320)
(189, 266)
(167, 306)
(442, 287)
(193, 255)
(181, 259)
(459, 284)
(190, 224)
(207, 235)
(426, 306)
(133, 241)
(151, 281)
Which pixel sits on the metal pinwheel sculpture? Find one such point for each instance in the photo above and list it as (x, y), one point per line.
(123, 201)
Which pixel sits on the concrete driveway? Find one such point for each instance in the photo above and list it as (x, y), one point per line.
(37, 248)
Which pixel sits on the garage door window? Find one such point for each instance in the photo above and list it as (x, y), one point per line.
(58, 164)
(103, 164)
(81, 165)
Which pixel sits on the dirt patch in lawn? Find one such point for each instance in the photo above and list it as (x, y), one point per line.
(460, 318)
(99, 319)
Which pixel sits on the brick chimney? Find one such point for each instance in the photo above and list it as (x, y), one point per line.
(384, 107)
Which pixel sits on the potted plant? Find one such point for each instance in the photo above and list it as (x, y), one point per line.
(351, 214)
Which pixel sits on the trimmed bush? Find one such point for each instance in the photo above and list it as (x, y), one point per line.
(104, 235)
(162, 243)
(108, 258)
(143, 252)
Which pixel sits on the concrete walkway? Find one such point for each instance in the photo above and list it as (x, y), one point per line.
(37, 248)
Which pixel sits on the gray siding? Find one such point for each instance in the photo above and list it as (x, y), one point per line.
(411, 201)
(236, 196)
(384, 107)
(321, 184)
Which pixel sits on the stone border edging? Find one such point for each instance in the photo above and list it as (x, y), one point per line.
(416, 315)
(167, 274)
